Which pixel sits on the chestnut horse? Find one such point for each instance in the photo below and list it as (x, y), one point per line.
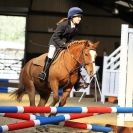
(63, 73)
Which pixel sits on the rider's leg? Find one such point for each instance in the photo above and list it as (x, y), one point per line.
(47, 63)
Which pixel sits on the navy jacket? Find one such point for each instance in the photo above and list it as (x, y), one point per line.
(63, 35)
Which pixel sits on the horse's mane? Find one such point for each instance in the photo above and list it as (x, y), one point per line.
(78, 42)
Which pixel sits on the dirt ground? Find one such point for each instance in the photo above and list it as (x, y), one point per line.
(6, 100)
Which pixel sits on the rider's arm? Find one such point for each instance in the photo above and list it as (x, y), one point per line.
(57, 36)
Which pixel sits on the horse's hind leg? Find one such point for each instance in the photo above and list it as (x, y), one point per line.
(31, 93)
(44, 98)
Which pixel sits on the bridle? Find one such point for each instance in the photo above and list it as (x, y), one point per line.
(81, 57)
(81, 63)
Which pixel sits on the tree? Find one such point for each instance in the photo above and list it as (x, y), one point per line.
(12, 28)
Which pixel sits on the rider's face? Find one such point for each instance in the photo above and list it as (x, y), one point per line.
(76, 19)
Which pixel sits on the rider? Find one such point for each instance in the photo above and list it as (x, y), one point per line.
(66, 29)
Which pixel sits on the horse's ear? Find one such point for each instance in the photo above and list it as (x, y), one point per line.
(88, 43)
(97, 43)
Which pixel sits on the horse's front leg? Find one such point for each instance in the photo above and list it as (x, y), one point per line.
(55, 98)
(64, 96)
(54, 88)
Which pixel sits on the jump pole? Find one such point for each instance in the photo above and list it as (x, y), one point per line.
(23, 116)
(17, 109)
(55, 119)
(79, 125)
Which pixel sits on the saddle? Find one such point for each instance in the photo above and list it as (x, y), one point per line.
(39, 61)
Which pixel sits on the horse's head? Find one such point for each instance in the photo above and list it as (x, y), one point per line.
(89, 56)
(84, 52)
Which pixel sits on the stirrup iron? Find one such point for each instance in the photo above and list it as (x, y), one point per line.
(42, 76)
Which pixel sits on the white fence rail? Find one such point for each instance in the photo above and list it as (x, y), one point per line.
(117, 74)
(10, 63)
(110, 81)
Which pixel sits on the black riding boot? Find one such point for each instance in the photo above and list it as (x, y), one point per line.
(43, 74)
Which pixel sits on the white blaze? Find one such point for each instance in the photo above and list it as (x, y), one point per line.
(93, 55)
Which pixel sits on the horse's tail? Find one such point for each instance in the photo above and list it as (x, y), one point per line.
(19, 93)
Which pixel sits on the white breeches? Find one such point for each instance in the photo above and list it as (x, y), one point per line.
(51, 51)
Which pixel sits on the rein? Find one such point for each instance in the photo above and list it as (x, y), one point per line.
(80, 60)
(81, 57)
